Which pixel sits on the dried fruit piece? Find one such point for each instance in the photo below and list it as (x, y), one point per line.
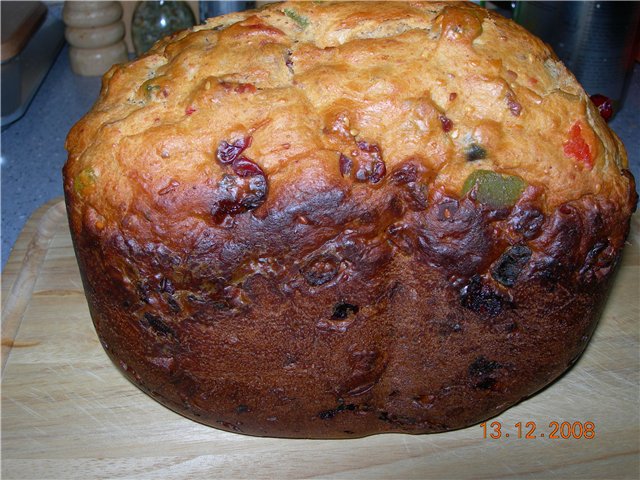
(166, 286)
(239, 194)
(378, 170)
(494, 189)
(257, 193)
(243, 167)
(475, 152)
(577, 147)
(328, 414)
(370, 148)
(86, 178)
(481, 373)
(225, 207)
(446, 123)
(372, 167)
(345, 165)
(321, 269)
(604, 104)
(343, 310)
(302, 21)
(288, 60)
(406, 173)
(527, 220)
(228, 152)
(598, 262)
(460, 26)
(247, 190)
(509, 265)
(158, 325)
(447, 209)
(150, 88)
(245, 88)
(514, 106)
(482, 298)
(415, 192)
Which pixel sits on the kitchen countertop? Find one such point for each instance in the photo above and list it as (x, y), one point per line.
(33, 147)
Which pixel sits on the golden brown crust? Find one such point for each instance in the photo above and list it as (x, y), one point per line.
(277, 232)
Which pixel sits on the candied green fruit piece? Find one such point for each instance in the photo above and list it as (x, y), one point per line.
(302, 21)
(86, 178)
(150, 89)
(495, 189)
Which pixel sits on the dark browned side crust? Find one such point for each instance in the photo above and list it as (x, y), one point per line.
(342, 312)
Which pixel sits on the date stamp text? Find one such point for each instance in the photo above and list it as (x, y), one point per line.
(530, 430)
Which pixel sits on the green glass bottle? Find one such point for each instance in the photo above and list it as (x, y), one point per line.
(153, 20)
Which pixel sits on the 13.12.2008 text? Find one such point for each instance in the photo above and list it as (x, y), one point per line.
(529, 430)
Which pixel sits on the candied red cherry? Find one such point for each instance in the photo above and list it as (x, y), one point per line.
(604, 104)
(577, 147)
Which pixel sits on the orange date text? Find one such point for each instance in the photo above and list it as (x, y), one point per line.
(530, 430)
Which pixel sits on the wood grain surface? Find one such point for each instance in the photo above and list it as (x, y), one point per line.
(68, 413)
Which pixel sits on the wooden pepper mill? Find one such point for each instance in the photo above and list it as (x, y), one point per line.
(95, 32)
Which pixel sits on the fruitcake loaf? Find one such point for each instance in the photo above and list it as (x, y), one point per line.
(331, 220)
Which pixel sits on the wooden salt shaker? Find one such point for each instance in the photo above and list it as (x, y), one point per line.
(95, 32)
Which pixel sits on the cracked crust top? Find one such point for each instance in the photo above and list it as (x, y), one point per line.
(453, 87)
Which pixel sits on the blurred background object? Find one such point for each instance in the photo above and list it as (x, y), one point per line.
(128, 8)
(95, 34)
(214, 8)
(153, 20)
(597, 41)
(31, 40)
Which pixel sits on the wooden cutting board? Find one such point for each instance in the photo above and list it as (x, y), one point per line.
(68, 413)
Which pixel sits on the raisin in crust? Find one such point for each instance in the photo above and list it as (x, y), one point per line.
(333, 220)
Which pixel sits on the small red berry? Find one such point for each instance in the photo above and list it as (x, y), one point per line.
(243, 167)
(228, 152)
(604, 104)
(447, 124)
